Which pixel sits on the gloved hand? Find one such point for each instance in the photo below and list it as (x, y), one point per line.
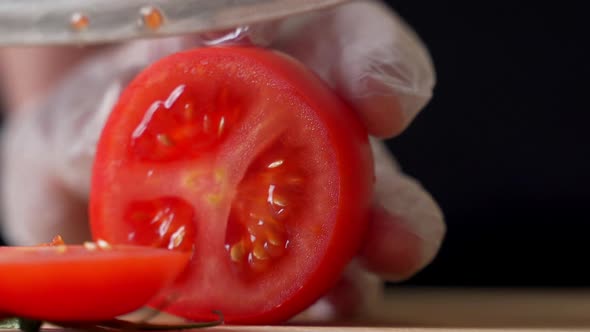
(59, 99)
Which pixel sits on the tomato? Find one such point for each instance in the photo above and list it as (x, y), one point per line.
(245, 157)
(83, 283)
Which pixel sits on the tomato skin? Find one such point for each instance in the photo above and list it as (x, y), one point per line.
(346, 138)
(74, 284)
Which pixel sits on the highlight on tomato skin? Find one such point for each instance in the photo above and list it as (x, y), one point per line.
(245, 157)
(81, 283)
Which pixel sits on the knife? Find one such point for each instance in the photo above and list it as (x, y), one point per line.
(80, 22)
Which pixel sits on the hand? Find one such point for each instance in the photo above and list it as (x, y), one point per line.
(60, 98)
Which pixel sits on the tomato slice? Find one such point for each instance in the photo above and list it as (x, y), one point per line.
(83, 283)
(244, 156)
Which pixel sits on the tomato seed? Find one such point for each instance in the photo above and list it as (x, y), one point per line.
(164, 140)
(221, 126)
(213, 198)
(275, 199)
(102, 244)
(219, 174)
(259, 252)
(294, 180)
(278, 201)
(91, 246)
(238, 252)
(176, 238)
(194, 178)
(275, 163)
(274, 239)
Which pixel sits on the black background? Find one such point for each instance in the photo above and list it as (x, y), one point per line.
(504, 144)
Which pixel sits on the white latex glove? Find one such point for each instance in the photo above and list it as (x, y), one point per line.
(363, 50)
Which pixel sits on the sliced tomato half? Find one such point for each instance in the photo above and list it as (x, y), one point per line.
(78, 283)
(246, 157)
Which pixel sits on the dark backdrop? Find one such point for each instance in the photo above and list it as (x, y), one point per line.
(504, 145)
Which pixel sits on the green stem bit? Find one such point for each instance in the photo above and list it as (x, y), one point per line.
(23, 324)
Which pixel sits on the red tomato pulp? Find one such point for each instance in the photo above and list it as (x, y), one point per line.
(246, 158)
(77, 283)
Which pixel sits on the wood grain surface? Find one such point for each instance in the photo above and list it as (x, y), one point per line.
(487, 308)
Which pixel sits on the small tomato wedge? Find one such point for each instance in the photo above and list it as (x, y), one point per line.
(78, 283)
(245, 157)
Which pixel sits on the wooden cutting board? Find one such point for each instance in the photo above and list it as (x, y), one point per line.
(487, 308)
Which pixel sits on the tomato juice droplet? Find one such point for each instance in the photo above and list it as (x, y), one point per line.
(79, 21)
(166, 222)
(151, 17)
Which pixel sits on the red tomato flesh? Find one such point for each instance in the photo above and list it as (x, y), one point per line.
(246, 157)
(75, 283)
